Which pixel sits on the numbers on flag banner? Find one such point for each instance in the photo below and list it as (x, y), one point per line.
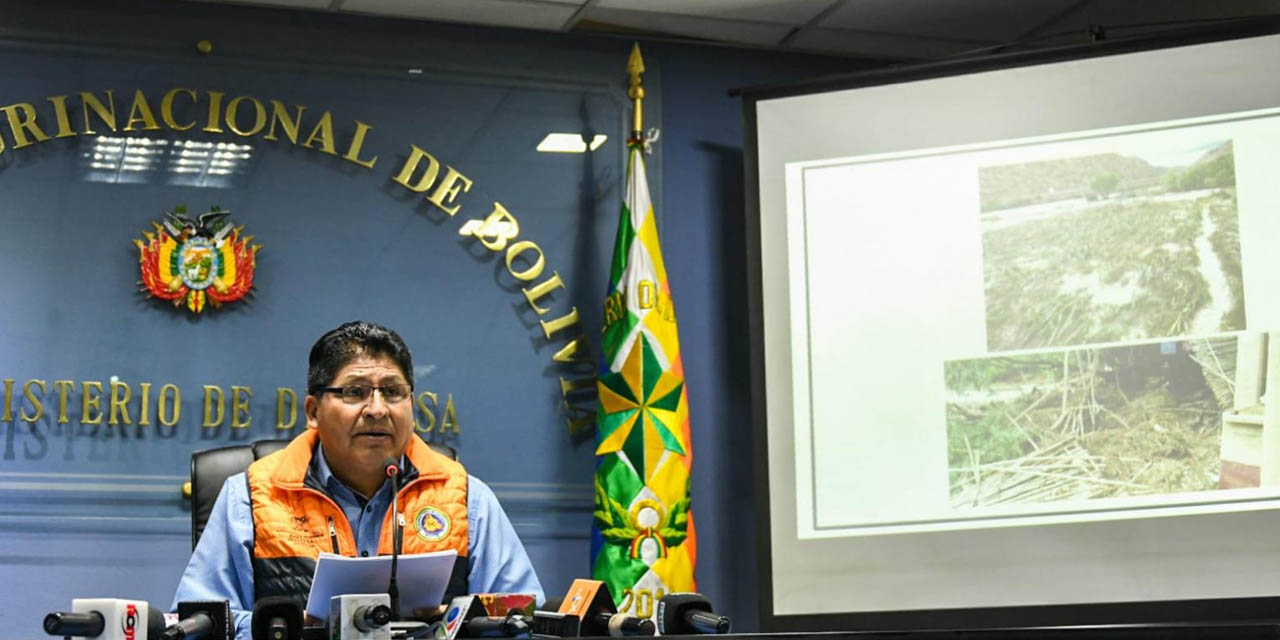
(639, 602)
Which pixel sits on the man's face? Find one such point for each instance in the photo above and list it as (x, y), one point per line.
(358, 437)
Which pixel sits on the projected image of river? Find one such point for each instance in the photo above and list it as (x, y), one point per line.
(1108, 248)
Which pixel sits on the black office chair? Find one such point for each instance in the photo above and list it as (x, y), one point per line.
(211, 468)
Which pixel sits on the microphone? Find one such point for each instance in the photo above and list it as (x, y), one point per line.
(277, 618)
(621, 624)
(510, 626)
(106, 619)
(360, 617)
(369, 616)
(561, 625)
(503, 604)
(590, 601)
(687, 614)
(488, 615)
(202, 619)
(461, 609)
(197, 626)
(392, 467)
(87, 625)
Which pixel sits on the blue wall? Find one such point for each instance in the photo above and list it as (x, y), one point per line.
(86, 514)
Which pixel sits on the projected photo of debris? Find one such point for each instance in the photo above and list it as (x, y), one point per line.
(1135, 238)
(1086, 424)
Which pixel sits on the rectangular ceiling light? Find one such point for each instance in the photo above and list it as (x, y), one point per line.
(570, 143)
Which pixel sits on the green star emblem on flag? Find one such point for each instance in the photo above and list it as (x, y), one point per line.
(641, 399)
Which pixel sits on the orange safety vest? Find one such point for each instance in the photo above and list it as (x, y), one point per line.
(294, 520)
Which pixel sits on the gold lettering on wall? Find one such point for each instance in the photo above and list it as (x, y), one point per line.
(450, 420)
(427, 411)
(552, 326)
(286, 397)
(140, 113)
(144, 415)
(215, 111)
(166, 109)
(357, 141)
(105, 112)
(7, 415)
(538, 291)
(61, 115)
(280, 116)
(498, 227)
(21, 124)
(534, 269)
(323, 132)
(447, 192)
(62, 387)
(164, 402)
(34, 400)
(576, 351)
(442, 185)
(119, 411)
(416, 156)
(240, 417)
(259, 116)
(210, 404)
(91, 402)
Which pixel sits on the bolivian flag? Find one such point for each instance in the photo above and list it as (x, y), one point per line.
(643, 543)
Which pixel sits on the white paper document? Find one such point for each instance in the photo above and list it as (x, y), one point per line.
(422, 578)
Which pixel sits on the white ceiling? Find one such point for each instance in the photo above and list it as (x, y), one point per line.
(882, 29)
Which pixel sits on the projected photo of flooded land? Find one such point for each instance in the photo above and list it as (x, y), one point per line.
(1087, 424)
(1135, 238)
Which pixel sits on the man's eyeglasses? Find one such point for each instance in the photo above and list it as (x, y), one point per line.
(360, 393)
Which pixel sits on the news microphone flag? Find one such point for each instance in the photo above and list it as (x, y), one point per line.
(642, 543)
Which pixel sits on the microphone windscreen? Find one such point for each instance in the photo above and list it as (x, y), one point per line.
(219, 622)
(672, 609)
(69, 623)
(277, 609)
(155, 622)
(622, 625)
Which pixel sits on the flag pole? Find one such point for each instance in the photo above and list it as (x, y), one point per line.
(635, 67)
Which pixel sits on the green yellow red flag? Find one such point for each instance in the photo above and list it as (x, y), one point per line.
(643, 543)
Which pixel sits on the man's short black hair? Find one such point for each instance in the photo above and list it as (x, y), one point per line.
(337, 348)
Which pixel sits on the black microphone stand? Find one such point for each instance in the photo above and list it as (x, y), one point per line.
(393, 590)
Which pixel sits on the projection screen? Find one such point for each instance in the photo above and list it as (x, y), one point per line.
(1011, 342)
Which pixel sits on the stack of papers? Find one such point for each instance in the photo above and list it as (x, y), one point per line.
(422, 578)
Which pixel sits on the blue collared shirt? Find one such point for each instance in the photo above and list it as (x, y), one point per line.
(221, 567)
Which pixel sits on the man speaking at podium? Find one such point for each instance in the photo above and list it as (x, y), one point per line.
(327, 491)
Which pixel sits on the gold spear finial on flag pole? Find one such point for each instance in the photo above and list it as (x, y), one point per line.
(635, 67)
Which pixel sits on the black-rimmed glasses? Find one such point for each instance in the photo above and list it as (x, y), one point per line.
(360, 393)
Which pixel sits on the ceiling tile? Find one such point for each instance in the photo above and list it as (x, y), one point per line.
(875, 45)
(910, 29)
(991, 21)
(527, 14)
(791, 12)
(742, 32)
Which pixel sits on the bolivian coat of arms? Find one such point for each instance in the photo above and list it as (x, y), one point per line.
(196, 262)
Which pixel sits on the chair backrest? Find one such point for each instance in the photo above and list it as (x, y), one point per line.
(211, 468)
